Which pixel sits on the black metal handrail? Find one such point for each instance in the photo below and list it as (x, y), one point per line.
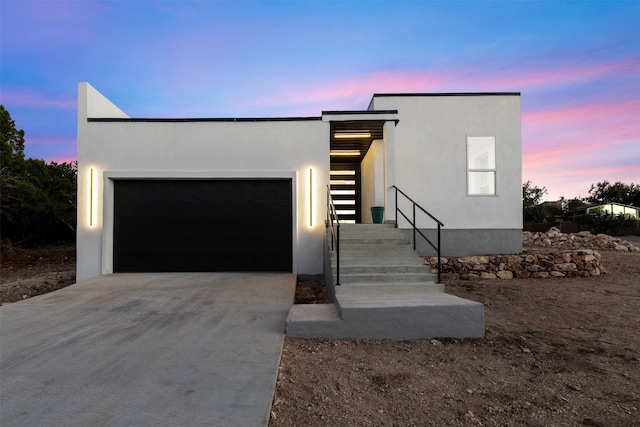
(333, 222)
(415, 227)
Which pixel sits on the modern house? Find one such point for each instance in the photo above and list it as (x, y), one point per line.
(627, 211)
(250, 194)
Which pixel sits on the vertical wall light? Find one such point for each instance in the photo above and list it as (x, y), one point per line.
(91, 198)
(310, 197)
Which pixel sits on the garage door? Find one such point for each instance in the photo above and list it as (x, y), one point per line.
(202, 225)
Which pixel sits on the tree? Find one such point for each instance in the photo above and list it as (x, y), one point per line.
(11, 139)
(11, 165)
(531, 201)
(573, 205)
(605, 192)
(37, 202)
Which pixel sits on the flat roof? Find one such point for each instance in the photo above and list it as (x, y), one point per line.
(451, 94)
(185, 120)
(356, 112)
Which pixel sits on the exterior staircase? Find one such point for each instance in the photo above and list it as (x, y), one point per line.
(378, 253)
(385, 292)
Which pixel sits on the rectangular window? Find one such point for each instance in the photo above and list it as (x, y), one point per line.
(481, 165)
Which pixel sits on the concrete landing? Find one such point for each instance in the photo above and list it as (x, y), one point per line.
(388, 312)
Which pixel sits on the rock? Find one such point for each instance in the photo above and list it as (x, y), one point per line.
(514, 267)
(7, 251)
(557, 274)
(567, 266)
(485, 275)
(504, 274)
(553, 232)
(621, 248)
(541, 275)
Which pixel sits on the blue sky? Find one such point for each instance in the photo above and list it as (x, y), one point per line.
(576, 63)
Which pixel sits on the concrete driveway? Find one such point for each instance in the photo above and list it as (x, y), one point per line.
(177, 349)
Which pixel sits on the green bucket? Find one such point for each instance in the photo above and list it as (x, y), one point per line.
(377, 213)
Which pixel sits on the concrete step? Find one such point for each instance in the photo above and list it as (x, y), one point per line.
(382, 287)
(374, 250)
(381, 269)
(366, 240)
(391, 234)
(388, 312)
(366, 227)
(346, 279)
(383, 232)
(375, 262)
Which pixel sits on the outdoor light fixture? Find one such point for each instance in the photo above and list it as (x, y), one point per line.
(91, 197)
(351, 135)
(310, 197)
(344, 152)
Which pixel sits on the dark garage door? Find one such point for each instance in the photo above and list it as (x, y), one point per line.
(202, 225)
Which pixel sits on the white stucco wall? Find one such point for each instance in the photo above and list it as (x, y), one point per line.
(207, 149)
(372, 180)
(430, 156)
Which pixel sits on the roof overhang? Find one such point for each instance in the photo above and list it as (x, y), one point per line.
(360, 115)
(353, 132)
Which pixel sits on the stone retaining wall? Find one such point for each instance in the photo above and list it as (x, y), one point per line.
(566, 255)
(573, 263)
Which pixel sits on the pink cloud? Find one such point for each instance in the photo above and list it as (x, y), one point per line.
(572, 156)
(582, 113)
(349, 93)
(356, 91)
(605, 131)
(569, 170)
(52, 141)
(380, 81)
(32, 99)
(553, 77)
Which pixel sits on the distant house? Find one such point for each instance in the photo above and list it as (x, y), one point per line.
(249, 194)
(630, 212)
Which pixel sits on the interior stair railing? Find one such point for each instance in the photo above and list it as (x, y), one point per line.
(412, 221)
(333, 222)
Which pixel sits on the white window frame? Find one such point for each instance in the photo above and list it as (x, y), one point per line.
(487, 168)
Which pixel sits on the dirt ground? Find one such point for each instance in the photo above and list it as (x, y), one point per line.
(557, 352)
(25, 273)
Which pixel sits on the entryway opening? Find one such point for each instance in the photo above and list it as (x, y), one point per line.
(350, 142)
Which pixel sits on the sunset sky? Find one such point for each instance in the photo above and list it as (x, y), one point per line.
(576, 63)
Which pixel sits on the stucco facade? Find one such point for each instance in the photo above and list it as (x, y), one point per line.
(431, 166)
(421, 149)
